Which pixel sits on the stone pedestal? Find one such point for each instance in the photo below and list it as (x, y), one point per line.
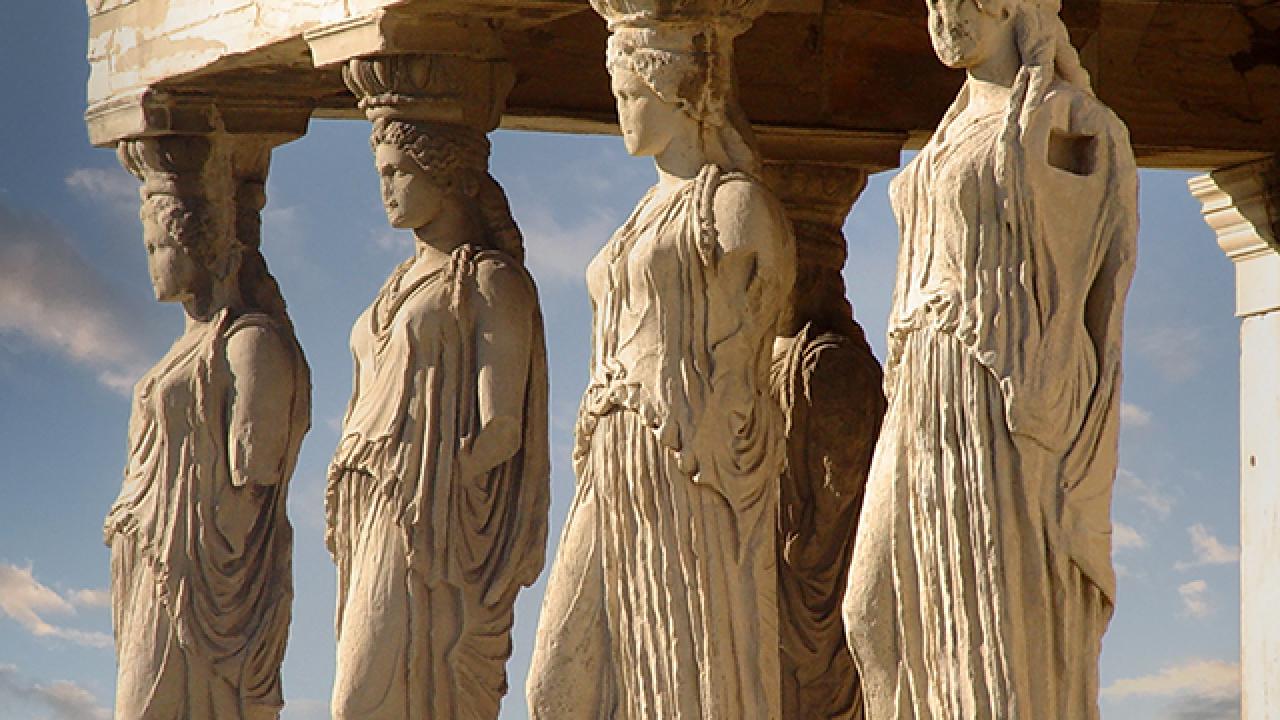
(1242, 205)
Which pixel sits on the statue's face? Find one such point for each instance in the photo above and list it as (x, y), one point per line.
(647, 121)
(411, 198)
(965, 35)
(176, 275)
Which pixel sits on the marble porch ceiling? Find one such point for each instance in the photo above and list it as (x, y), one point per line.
(1197, 81)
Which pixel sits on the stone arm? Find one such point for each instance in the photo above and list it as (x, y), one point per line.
(1068, 166)
(758, 262)
(503, 339)
(1079, 177)
(258, 406)
(752, 274)
(1085, 156)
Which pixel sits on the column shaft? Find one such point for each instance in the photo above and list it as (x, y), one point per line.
(437, 504)
(829, 385)
(200, 569)
(1240, 204)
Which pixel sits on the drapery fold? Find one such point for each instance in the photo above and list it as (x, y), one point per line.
(201, 569)
(429, 562)
(662, 601)
(986, 532)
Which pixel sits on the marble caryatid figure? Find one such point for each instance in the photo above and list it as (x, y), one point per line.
(438, 493)
(982, 581)
(662, 600)
(828, 383)
(201, 584)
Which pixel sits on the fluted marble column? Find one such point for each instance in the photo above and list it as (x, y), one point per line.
(1242, 205)
(829, 384)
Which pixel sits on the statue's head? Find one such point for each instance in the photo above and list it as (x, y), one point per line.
(662, 84)
(965, 33)
(189, 239)
(176, 233)
(675, 80)
(423, 166)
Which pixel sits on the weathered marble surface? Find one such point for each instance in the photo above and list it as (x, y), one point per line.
(1242, 205)
(982, 580)
(136, 42)
(439, 489)
(828, 384)
(201, 582)
(662, 600)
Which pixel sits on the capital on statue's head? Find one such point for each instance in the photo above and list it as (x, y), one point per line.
(728, 18)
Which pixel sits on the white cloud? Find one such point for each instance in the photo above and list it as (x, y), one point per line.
(1199, 707)
(112, 187)
(49, 294)
(1201, 678)
(1148, 494)
(1195, 599)
(64, 699)
(25, 600)
(559, 252)
(1208, 550)
(90, 598)
(396, 242)
(1124, 537)
(287, 245)
(1176, 352)
(594, 195)
(284, 233)
(1133, 416)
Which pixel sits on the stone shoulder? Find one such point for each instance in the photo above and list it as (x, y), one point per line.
(500, 277)
(746, 210)
(1086, 113)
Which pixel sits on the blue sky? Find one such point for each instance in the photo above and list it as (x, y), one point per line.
(77, 323)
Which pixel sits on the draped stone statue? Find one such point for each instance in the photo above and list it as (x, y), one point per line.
(201, 584)
(662, 599)
(438, 492)
(982, 580)
(828, 384)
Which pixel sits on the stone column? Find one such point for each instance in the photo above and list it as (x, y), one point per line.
(207, 537)
(662, 601)
(829, 384)
(436, 504)
(1242, 205)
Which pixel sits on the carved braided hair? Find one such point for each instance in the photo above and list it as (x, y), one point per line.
(457, 158)
(258, 288)
(1047, 53)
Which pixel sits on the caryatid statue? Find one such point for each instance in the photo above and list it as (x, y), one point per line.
(662, 600)
(438, 492)
(201, 581)
(982, 579)
(829, 385)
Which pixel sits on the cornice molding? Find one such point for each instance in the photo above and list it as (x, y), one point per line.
(151, 111)
(1242, 205)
